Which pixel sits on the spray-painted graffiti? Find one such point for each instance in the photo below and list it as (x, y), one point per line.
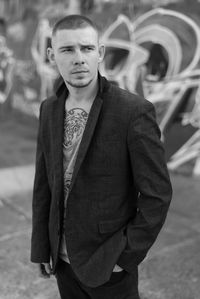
(25, 87)
(6, 70)
(190, 151)
(40, 44)
(158, 56)
(161, 48)
(41, 41)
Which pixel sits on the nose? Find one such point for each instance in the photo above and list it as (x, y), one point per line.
(78, 59)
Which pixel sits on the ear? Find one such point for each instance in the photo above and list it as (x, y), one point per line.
(51, 56)
(101, 52)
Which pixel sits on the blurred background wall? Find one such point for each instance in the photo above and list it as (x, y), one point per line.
(151, 67)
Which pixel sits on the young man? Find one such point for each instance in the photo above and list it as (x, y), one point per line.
(101, 190)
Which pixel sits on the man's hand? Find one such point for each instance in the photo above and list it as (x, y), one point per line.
(117, 268)
(45, 270)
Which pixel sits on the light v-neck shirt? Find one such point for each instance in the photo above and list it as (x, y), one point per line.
(75, 120)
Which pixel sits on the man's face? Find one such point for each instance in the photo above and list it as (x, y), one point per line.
(77, 54)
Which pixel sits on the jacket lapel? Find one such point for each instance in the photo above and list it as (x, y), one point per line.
(57, 133)
(87, 135)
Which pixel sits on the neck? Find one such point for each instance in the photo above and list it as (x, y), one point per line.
(87, 93)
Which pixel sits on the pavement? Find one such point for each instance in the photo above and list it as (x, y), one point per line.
(171, 269)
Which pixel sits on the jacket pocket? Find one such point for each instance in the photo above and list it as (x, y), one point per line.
(110, 226)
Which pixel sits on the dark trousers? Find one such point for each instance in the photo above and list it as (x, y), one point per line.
(121, 285)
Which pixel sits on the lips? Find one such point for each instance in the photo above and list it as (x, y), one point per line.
(79, 72)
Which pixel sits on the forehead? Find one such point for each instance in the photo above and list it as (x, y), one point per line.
(87, 35)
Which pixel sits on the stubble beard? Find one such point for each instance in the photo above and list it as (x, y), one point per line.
(78, 84)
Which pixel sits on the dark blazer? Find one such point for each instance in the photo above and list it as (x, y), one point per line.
(120, 190)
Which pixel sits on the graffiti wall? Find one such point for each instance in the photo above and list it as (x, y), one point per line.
(6, 69)
(157, 56)
(160, 52)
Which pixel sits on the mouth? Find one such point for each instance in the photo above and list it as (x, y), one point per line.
(80, 72)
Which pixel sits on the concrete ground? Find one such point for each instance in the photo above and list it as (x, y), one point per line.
(171, 270)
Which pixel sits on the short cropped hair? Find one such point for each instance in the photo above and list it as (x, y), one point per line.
(73, 22)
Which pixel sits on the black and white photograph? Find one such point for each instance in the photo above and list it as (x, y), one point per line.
(100, 149)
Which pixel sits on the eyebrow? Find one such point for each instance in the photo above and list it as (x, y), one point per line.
(72, 46)
(65, 47)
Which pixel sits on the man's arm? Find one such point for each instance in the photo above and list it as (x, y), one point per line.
(152, 181)
(40, 247)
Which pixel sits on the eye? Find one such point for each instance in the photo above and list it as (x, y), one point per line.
(69, 50)
(66, 50)
(88, 48)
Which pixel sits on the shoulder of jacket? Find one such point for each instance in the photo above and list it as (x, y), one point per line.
(48, 102)
(46, 107)
(129, 99)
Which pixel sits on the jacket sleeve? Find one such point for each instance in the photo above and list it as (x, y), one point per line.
(40, 246)
(152, 181)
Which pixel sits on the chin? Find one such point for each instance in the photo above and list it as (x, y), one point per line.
(79, 83)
